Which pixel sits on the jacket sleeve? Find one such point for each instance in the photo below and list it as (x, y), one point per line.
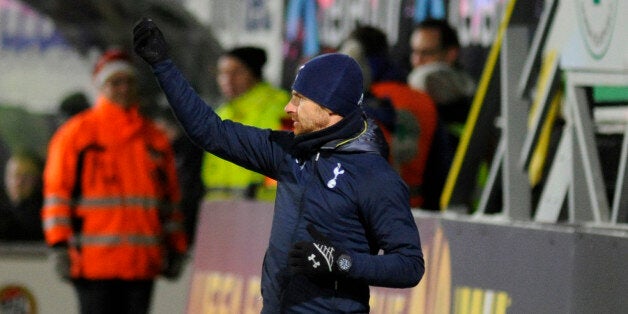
(59, 179)
(247, 146)
(387, 216)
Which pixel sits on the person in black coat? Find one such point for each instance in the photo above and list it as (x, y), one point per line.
(20, 212)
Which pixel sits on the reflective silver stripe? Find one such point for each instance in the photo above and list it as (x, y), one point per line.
(119, 201)
(145, 202)
(134, 239)
(52, 222)
(56, 200)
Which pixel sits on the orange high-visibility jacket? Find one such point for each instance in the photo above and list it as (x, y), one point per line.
(414, 107)
(111, 191)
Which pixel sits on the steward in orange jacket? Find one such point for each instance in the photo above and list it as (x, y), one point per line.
(417, 118)
(111, 192)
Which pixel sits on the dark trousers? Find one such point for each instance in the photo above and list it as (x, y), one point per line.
(114, 296)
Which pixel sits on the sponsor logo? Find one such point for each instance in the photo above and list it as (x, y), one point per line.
(327, 252)
(596, 20)
(315, 263)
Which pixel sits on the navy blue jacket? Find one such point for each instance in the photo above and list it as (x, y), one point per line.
(365, 212)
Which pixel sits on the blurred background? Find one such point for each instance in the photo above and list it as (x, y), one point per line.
(543, 229)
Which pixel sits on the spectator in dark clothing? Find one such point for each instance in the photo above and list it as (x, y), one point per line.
(188, 159)
(20, 213)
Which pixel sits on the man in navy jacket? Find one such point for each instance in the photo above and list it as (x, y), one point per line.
(342, 217)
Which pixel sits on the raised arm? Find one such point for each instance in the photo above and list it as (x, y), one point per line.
(246, 146)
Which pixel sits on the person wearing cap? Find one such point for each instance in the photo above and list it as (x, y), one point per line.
(411, 133)
(251, 100)
(110, 196)
(339, 202)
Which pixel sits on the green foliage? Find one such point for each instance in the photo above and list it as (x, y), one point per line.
(21, 129)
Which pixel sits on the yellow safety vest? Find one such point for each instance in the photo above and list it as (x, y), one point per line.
(262, 106)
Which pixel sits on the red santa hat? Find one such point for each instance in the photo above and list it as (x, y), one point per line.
(111, 62)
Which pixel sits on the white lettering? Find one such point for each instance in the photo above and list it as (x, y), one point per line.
(342, 16)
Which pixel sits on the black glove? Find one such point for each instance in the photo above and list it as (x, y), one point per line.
(61, 260)
(173, 265)
(319, 258)
(149, 42)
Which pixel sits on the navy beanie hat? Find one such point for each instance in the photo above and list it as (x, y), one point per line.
(332, 80)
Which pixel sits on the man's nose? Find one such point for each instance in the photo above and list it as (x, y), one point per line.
(288, 108)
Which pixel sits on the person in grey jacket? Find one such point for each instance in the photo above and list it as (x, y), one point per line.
(342, 218)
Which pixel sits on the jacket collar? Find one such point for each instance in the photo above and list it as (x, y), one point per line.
(354, 133)
(370, 140)
(121, 123)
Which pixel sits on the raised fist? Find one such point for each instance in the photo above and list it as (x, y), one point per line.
(149, 42)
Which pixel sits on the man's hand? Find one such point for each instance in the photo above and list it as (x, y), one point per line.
(173, 265)
(319, 258)
(61, 260)
(149, 42)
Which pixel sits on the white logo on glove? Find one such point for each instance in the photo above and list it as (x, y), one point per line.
(312, 258)
(327, 252)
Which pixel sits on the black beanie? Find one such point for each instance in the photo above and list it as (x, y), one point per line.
(252, 57)
(332, 80)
